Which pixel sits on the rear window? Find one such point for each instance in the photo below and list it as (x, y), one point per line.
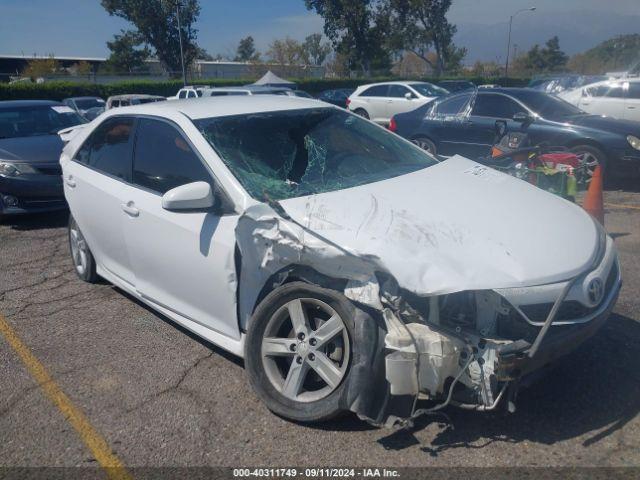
(31, 121)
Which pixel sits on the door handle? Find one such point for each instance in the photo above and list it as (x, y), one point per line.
(631, 108)
(130, 209)
(70, 181)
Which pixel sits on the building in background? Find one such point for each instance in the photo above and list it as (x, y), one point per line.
(12, 67)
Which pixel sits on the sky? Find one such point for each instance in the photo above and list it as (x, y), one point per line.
(82, 27)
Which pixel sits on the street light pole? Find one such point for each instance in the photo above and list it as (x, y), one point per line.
(506, 65)
(184, 73)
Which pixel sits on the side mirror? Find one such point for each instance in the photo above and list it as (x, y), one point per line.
(408, 95)
(522, 117)
(192, 196)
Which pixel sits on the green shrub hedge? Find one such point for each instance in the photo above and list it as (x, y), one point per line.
(57, 90)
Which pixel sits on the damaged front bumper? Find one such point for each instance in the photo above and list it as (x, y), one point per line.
(469, 356)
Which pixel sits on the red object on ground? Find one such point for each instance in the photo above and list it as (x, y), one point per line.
(552, 160)
(392, 125)
(593, 200)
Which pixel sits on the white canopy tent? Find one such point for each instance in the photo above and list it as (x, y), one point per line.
(270, 79)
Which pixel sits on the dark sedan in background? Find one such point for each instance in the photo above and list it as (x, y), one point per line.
(464, 123)
(30, 174)
(337, 97)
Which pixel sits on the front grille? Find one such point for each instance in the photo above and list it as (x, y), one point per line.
(49, 169)
(570, 309)
(40, 201)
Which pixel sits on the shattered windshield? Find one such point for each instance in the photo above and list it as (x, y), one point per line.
(279, 155)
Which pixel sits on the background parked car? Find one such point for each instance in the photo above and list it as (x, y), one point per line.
(615, 98)
(561, 83)
(82, 105)
(30, 174)
(246, 90)
(381, 101)
(464, 124)
(188, 92)
(132, 99)
(456, 85)
(337, 97)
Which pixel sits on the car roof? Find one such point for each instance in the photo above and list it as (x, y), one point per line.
(394, 82)
(27, 103)
(130, 96)
(83, 98)
(206, 107)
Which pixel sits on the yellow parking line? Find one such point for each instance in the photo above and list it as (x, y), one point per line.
(617, 205)
(112, 465)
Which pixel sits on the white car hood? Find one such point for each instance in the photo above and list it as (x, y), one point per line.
(455, 226)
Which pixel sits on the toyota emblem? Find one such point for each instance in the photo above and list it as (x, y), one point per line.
(595, 291)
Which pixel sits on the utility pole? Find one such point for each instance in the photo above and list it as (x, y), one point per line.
(184, 72)
(506, 65)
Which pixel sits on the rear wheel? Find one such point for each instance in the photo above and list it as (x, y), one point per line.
(425, 144)
(362, 112)
(298, 351)
(591, 157)
(83, 261)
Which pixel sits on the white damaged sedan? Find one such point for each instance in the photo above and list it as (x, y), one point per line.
(350, 269)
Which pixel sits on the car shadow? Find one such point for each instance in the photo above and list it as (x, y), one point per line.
(217, 350)
(590, 393)
(631, 185)
(37, 221)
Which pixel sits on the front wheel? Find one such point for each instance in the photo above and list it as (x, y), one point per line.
(298, 351)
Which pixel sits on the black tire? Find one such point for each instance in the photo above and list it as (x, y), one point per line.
(598, 155)
(310, 411)
(85, 269)
(362, 112)
(425, 144)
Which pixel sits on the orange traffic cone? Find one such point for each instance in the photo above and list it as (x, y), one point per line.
(593, 201)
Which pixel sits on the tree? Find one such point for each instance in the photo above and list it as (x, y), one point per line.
(286, 52)
(422, 25)
(356, 28)
(553, 58)
(246, 51)
(157, 23)
(617, 53)
(202, 54)
(41, 67)
(127, 53)
(314, 50)
(541, 60)
(82, 68)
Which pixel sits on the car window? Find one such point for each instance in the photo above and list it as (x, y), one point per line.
(108, 148)
(495, 106)
(375, 91)
(191, 94)
(163, 159)
(398, 91)
(277, 155)
(182, 94)
(453, 105)
(634, 90)
(611, 91)
(199, 93)
(36, 120)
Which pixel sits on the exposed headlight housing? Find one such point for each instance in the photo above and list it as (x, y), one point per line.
(11, 169)
(634, 141)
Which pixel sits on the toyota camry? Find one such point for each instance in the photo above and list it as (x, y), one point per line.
(348, 267)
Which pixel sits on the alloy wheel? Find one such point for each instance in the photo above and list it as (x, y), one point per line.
(79, 251)
(305, 350)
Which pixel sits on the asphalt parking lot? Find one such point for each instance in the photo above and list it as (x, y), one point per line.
(159, 396)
